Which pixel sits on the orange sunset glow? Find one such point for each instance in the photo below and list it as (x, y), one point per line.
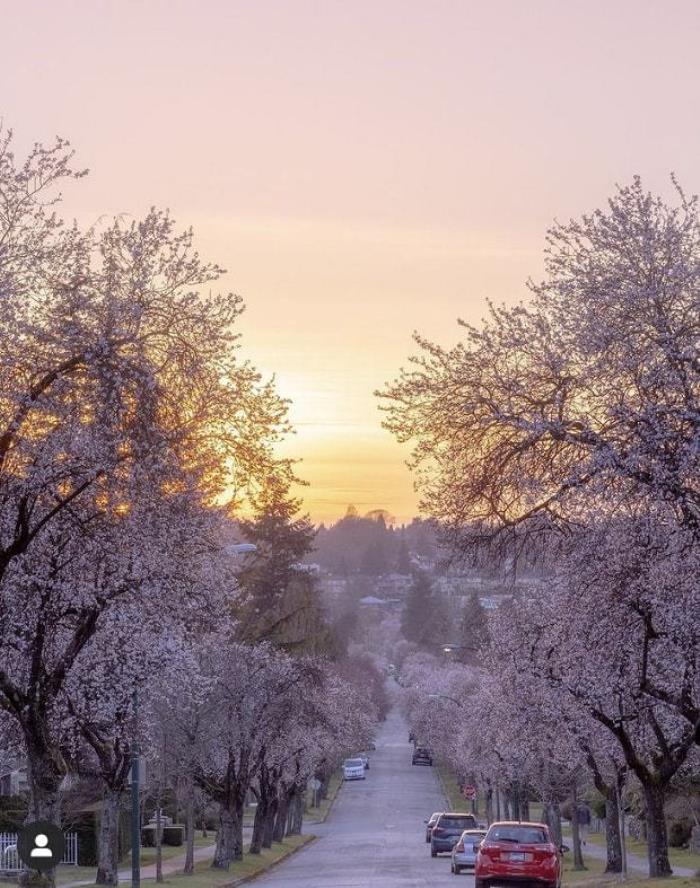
(362, 170)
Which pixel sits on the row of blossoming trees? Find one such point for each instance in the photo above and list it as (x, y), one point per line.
(572, 423)
(126, 419)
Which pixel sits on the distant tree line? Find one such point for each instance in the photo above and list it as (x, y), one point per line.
(372, 545)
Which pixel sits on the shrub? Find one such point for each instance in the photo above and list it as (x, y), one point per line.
(174, 835)
(13, 811)
(597, 805)
(148, 836)
(679, 833)
(87, 844)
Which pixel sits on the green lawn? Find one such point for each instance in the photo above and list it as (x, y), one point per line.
(608, 880)
(450, 786)
(251, 865)
(319, 813)
(204, 876)
(594, 870)
(148, 855)
(677, 856)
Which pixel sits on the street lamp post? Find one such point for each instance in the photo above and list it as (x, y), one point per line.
(621, 827)
(135, 801)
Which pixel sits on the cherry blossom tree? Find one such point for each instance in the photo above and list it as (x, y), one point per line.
(125, 413)
(621, 615)
(594, 384)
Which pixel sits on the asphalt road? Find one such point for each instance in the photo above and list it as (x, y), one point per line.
(374, 836)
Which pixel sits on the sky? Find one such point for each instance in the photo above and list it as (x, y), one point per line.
(362, 169)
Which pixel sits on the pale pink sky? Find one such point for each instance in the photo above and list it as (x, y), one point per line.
(362, 169)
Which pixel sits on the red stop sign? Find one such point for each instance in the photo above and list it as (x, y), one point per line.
(469, 792)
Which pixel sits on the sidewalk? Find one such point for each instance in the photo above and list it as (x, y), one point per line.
(173, 865)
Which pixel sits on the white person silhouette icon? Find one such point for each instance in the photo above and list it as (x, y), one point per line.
(40, 845)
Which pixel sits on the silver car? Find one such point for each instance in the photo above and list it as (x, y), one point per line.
(464, 852)
(353, 769)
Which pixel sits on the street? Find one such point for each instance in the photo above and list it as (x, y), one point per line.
(375, 834)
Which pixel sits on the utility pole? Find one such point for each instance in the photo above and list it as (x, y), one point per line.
(135, 801)
(621, 821)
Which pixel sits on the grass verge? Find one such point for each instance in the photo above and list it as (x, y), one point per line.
(605, 881)
(251, 866)
(450, 788)
(319, 813)
(678, 856)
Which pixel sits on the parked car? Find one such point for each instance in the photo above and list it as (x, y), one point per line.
(353, 769)
(447, 830)
(464, 852)
(421, 756)
(518, 852)
(430, 823)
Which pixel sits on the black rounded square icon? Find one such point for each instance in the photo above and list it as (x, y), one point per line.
(40, 845)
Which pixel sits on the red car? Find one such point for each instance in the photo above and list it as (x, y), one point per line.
(518, 852)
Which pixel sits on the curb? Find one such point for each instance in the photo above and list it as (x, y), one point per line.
(263, 872)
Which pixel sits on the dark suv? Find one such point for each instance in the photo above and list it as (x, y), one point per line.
(447, 830)
(422, 756)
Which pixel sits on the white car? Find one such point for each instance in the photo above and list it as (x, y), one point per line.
(353, 769)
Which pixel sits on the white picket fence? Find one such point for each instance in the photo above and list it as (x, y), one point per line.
(9, 858)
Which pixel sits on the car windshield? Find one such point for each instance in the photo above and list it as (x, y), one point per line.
(522, 835)
(456, 822)
(354, 763)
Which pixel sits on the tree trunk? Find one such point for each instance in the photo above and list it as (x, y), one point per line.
(552, 817)
(268, 833)
(189, 831)
(259, 822)
(612, 835)
(325, 784)
(576, 833)
(525, 809)
(281, 818)
(489, 806)
(296, 813)
(516, 801)
(108, 839)
(229, 837)
(657, 839)
(44, 776)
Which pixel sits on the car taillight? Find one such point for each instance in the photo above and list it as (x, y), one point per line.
(437, 831)
(459, 846)
(488, 850)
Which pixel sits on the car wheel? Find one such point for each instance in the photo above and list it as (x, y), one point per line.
(433, 852)
(481, 883)
(456, 870)
(427, 840)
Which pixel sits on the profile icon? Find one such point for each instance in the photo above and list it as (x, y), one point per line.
(40, 845)
(41, 848)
